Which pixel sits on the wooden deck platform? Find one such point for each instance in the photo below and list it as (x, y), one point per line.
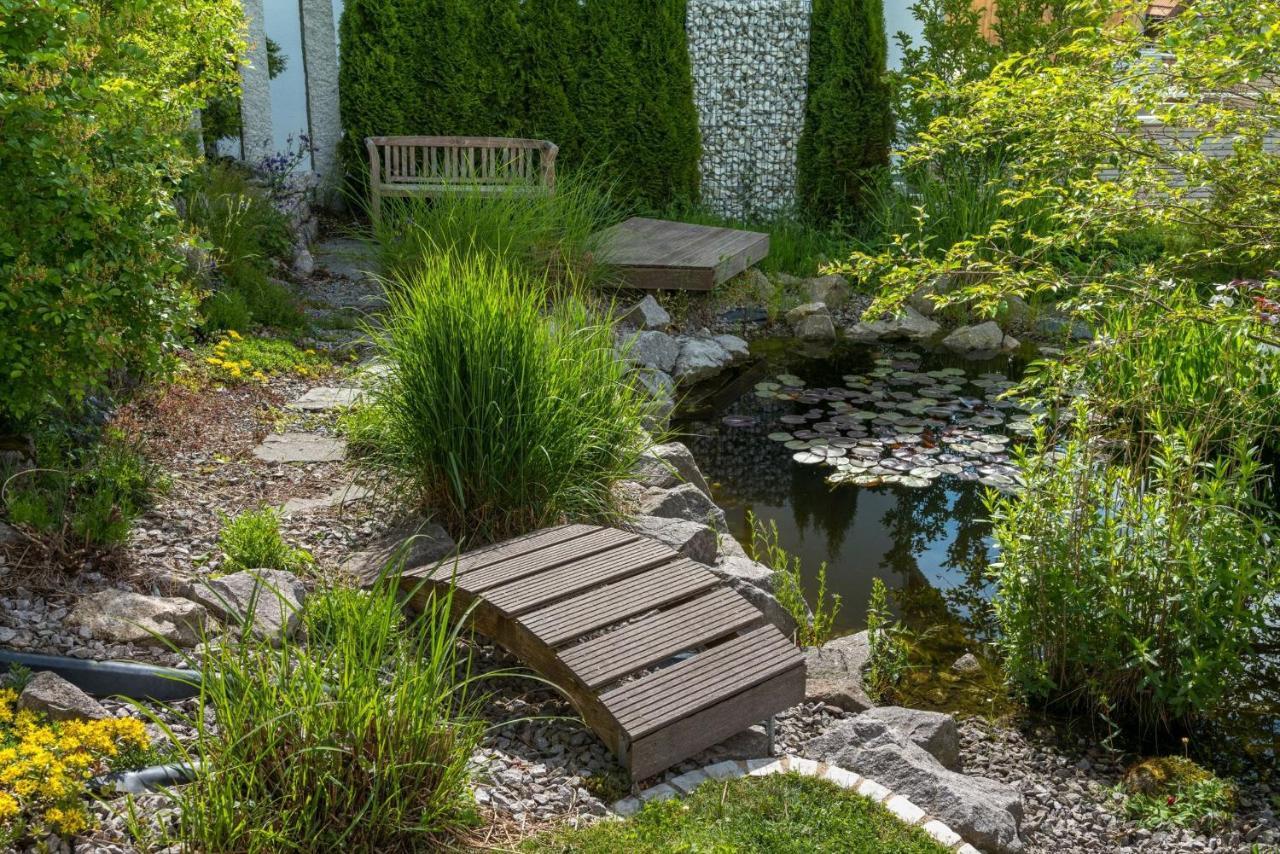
(661, 659)
(659, 254)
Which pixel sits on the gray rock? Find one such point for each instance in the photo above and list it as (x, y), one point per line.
(700, 359)
(1056, 326)
(324, 398)
(834, 673)
(754, 582)
(268, 601)
(816, 327)
(9, 535)
(734, 346)
(646, 314)
(1010, 343)
(980, 337)
(670, 464)
(984, 812)
(800, 312)
(341, 496)
(758, 285)
(967, 664)
(303, 263)
(832, 290)
(685, 501)
(935, 732)
(909, 324)
(691, 539)
(652, 349)
(51, 695)
(1016, 311)
(301, 448)
(411, 543)
(122, 616)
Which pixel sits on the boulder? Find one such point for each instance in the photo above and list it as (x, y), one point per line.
(736, 347)
(51, 695)
(834, 673)
(685, 501)
(757, 285)
(800, 312)
(1010, 343)
(122, 616)
(691, 539)
(984, 812)
(1016, 311)
(414, 542)
(935, 732)
(651, 349)
(967, 664)
(646, 314)
(700, 359)
(668, 465)
(1056, 326)
(267, 601)
(832, 290)
(303, 263)
(816, 327)
(754, 582)
(909, 324)
(980, 337)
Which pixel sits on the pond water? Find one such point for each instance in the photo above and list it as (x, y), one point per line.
(909, 436)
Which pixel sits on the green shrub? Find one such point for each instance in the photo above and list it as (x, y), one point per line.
(358, 740)
(607, 81)
(98, 98)
(1173, 791)
(848, 126)
(1135, 592)
(777, 813)
(252, 540)
(887, 659)
(246, 233)
(82, 492)
(814, 625)
(540, 234)
(505, 414)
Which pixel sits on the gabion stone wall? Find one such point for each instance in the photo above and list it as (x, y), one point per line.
(750, 63)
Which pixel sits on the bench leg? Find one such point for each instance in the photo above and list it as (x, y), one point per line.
(376, 206)
(770, 731)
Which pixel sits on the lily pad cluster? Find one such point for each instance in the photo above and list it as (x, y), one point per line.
(898, 424)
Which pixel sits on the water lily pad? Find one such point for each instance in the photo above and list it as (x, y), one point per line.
(797, 445)
(913, 481)
(780, 437)
(925, 473)
(790, 380)
(794, 419)
(808, 458)
(766, 386)
(738, 421)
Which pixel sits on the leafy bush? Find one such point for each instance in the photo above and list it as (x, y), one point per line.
(98, 97)
(252, 540)
(606, 80)
(1173, 791)
(847, 125)
(246, 232)
(82, 492)
(358, 740)
(47, 765)
(504, 414)
(540, 234)
(887, 656)
(1138, 593)
(814, 625)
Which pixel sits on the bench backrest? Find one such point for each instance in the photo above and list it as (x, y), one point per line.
(456, 162)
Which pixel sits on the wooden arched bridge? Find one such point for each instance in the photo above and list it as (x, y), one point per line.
(661, 659)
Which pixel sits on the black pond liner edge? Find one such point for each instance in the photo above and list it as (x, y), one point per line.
(111, 678)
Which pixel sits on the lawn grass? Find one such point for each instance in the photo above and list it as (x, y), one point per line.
(777, 813)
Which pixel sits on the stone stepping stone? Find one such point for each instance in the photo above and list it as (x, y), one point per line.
(301, 448)
(347, 494)
(324, 398)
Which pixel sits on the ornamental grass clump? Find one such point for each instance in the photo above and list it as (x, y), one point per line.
(1141, 594)
(358, 740)
(505, 409)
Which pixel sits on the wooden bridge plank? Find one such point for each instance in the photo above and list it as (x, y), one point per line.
(652, 253)
(489, 555)
(621, 600)
(651, 702)
(595, 544)
(531, 592)
(656, 637)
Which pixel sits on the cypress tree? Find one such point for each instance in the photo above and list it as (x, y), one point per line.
(848, 124)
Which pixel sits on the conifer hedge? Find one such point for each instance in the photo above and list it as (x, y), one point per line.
(603, 79)
(848, 122)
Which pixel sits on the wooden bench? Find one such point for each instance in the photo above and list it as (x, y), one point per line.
(430, 166)
(659, 656)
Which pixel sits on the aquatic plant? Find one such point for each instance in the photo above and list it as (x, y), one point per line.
(887, 660)
(815, 624)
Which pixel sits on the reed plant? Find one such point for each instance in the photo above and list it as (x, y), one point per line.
(358, 740)
(538, 233)
(504, 409)
(814, 625)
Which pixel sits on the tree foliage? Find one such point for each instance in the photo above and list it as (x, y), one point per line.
(848, 126)
(96, 99)
(604, 80)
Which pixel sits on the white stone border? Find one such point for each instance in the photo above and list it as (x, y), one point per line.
(729, 769)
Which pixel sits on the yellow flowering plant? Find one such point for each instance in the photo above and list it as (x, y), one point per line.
(235, 359)
(45, 766)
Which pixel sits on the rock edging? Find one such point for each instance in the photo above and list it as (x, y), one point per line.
(900, 806)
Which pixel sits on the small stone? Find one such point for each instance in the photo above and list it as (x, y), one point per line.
(324, 398)
(693, 540)
(126, 617)
(646, 314)
(50, 694)
(301, 448)
(967, 664)
(268, 600)
(980, 337)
